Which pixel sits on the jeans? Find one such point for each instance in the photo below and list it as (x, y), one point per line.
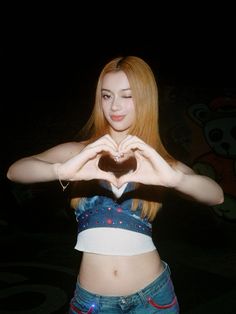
(157, 297)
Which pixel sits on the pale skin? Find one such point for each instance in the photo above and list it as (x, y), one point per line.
(73, 161)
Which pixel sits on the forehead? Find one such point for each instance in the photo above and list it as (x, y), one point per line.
(115, 81)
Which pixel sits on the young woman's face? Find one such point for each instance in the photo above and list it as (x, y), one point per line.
(117, 103)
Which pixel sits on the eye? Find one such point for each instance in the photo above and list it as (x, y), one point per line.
(127, 96)
(106, 96)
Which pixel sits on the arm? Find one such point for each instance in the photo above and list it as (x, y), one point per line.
(70, 161)
(41, 167)
(197, 187)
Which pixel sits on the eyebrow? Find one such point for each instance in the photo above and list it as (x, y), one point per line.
(123, 90)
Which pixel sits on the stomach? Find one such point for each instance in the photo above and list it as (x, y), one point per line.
(113, 275)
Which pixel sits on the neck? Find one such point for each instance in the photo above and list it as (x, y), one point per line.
(118, 136)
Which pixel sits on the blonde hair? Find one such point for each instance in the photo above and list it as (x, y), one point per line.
(145, 95)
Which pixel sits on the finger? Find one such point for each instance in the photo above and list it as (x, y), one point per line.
(109, 138)
(125, 142)
(133, 146)
(106, 139)
(92, 151)
(132, 143)
(108, 176)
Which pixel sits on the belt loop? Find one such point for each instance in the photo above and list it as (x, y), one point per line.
(142, 297)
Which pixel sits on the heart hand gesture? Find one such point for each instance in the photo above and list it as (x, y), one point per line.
(150, 168)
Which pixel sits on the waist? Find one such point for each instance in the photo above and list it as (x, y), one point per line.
(118, 275)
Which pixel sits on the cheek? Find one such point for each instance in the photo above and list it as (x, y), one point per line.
(105, 108)
(131, 110)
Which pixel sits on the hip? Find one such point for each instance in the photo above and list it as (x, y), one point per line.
(157, 297)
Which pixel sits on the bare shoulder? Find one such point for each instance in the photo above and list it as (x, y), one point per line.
(183, 168)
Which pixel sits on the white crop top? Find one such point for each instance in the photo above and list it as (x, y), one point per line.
(114, 241)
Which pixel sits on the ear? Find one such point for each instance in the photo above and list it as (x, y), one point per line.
(199, 113)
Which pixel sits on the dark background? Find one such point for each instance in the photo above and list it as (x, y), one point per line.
(50, 63)
(50, 68)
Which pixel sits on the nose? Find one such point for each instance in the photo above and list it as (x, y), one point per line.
(116, 104)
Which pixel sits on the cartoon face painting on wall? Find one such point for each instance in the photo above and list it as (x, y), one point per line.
(218, 122)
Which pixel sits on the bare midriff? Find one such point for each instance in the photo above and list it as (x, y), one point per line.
(118, 275)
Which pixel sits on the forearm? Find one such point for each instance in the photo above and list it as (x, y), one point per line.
(31, 170)
(200, 188)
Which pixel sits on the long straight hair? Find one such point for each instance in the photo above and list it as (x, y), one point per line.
(145, 96)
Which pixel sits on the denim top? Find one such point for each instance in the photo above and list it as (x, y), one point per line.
(105, 210)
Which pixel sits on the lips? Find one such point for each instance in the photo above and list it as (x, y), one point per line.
(117, 117)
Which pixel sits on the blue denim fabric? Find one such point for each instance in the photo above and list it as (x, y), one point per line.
(158, 297)
(104, 211)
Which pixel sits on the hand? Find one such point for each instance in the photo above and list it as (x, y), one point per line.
(151, 167)
(84, 166)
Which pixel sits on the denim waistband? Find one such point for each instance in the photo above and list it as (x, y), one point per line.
(134, 298)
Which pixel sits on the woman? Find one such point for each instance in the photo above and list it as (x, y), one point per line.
(120, 174)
